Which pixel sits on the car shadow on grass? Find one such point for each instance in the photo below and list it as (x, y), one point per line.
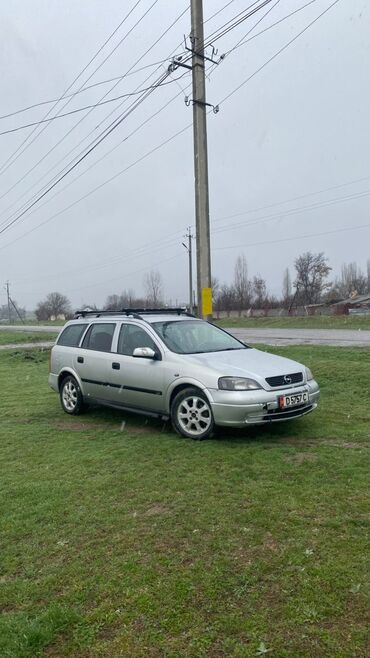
(130, 423)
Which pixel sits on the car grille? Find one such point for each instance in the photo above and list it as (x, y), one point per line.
(281, 380)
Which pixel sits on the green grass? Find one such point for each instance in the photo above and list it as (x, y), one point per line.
(308, 322)
(18, 337)
(141, 544)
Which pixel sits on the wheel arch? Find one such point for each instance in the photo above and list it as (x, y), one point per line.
(65, 373)
(182, 385)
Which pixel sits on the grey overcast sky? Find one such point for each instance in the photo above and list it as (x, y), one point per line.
(299, 126)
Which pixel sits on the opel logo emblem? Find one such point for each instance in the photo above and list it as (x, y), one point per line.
(287, 379)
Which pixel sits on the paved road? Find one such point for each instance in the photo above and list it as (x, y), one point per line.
(27, 346)
(339, 337)
(51, 328)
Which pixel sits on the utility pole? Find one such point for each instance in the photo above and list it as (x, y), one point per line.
(189, 249)
(201, 162)
(8, 297)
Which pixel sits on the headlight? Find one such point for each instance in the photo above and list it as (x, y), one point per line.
(309, 374)
(237, 384)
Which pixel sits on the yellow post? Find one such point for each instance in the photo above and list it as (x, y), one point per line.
(206, 302)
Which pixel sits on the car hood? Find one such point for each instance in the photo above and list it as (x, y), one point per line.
(247, 363)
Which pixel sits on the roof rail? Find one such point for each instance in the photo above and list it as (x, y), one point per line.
(136, 312)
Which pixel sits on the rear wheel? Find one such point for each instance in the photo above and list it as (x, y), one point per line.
(191, 414)
(71, 397)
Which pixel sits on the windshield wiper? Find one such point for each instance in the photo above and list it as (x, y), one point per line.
(230, 349)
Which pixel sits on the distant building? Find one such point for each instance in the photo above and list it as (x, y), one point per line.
(355, 303)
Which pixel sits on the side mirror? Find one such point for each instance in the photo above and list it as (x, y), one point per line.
(144, 353)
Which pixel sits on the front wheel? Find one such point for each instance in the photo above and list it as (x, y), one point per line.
(191, 414)
(71, 397)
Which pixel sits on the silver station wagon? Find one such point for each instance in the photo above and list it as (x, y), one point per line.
(169, 364)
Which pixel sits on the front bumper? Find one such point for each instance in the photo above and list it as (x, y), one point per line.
(240, 408)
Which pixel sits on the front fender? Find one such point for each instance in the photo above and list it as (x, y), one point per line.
(182, 382)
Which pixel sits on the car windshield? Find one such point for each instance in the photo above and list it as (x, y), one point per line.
(195, 337)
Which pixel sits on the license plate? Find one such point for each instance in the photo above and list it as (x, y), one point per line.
(287, 401)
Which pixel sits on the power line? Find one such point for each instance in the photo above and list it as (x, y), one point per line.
(84, 117)
(243, 41)
(173, 136)
(278, 52)
(65, 104)
(96, 162)
(252, 28)
(83, 89)
(98, 187)
(295, 198)
(220, 33)
(99, 139)
(293, 238)
(111, 112)
(103, 82)
(86, 107)
(293, 211)
(10, 160)
(170, 241)
(149, 76)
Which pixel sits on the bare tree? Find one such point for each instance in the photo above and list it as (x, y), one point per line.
(312, 273)
(352, 280)
(153, 288)
(287, 288)
(225, 299)
(127, 299)
(53, 306)
(215, 287)
(242, 285)
(113, 303)
(259, 289)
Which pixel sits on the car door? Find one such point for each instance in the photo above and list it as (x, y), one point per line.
(93, 358)
(136, 382)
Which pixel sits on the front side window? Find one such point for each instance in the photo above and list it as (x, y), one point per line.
(195, 337)
(99, 337)
(131, 336)
(71, 336)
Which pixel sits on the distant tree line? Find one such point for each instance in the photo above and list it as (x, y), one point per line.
(310, 284)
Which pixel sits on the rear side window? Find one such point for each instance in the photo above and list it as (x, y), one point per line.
(99, 337)
(71, 335)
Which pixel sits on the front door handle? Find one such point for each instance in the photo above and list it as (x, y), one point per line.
(116, 366)
(80, 359)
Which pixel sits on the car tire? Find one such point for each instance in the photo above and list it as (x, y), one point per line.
(191, 414)
(71, 397)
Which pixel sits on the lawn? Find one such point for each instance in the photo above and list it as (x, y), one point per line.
(17, 337)
(131, 541)
(307, 322)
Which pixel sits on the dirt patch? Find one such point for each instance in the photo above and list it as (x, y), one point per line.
(270, 544)
(145, 428)
(81, 426)
(301, 457)
(344, 444)
(157, 510)
(76, 425)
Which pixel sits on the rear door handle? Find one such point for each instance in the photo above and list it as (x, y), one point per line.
(116, 366)
(80, 359)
